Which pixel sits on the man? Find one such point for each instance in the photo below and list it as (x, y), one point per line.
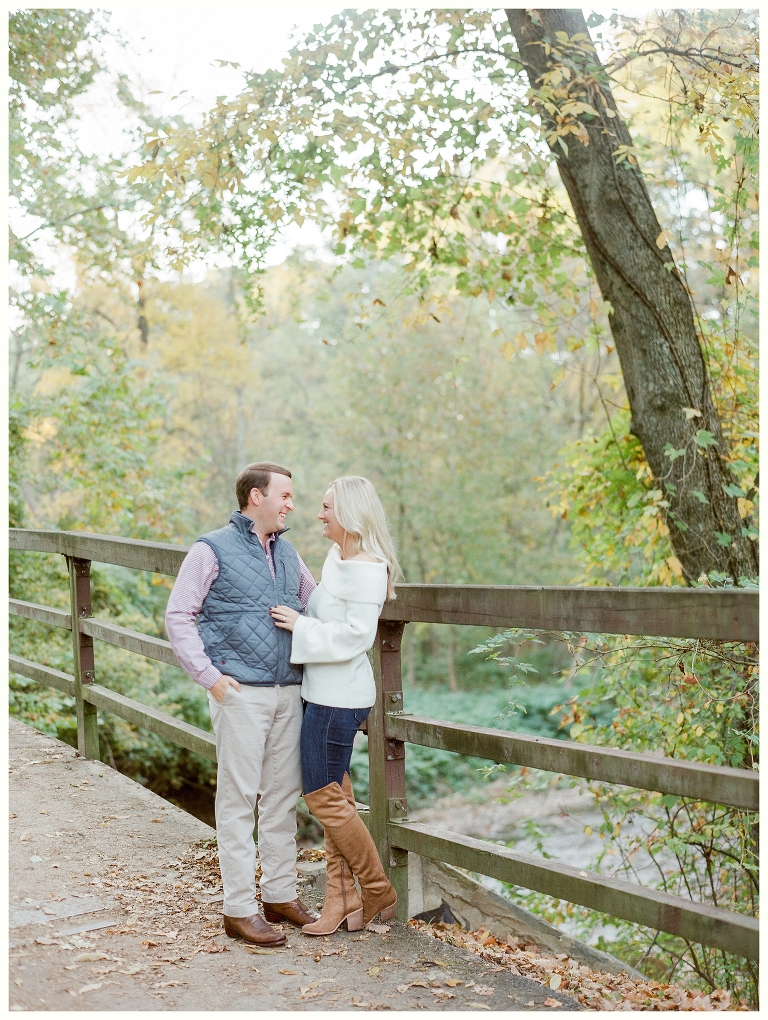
(229, 580)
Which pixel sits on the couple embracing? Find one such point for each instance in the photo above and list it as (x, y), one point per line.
(289, 683)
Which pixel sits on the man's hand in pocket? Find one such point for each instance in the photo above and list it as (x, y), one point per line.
(219, 689)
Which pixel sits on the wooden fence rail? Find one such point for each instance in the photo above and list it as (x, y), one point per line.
(712, 614)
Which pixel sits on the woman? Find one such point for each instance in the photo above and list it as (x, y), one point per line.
(332, 641)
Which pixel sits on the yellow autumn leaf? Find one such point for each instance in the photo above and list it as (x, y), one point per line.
(557, 378)
(675, 566)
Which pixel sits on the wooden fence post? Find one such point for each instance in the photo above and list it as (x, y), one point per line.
(82, 648)
(386, 758)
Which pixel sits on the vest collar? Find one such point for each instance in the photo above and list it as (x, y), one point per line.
(245, 525)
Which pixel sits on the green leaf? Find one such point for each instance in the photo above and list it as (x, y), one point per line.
(672, 453)
(723, 538)
(705, 438)
(733, 490)
(699, 495)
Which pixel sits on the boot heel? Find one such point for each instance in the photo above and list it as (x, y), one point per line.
(272, 917)
(388, 912)
(355, 920)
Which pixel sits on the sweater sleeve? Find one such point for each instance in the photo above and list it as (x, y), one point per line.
(335, 640)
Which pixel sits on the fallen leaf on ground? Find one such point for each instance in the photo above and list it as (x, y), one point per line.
(441, 993)
(483, 990)
(287, 972)
(553, 1003)
(88, 988)
(90, 957)
(263, 952)
(555, 981)
(452, 982)
(47, 942)
(477, 1005)
(373, 971)
(379, 929)
(131, 970)
(595, 990)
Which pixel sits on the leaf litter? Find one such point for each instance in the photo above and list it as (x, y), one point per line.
(595, 990)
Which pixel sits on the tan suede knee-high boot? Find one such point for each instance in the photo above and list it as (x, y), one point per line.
(348, 832)
(342, 900)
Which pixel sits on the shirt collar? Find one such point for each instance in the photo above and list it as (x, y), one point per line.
(240, 520)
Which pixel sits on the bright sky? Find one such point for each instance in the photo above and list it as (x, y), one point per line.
(171, 50)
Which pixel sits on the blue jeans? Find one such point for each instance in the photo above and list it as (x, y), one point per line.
(327, 736)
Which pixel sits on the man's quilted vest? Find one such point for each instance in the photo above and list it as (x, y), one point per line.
(238, 633)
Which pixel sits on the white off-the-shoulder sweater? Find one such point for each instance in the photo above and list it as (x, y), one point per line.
(339, 628)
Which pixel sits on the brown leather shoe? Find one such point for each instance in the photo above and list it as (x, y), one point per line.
(253, 929)
(295, 912)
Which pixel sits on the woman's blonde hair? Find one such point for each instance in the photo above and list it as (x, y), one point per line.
(358, 510)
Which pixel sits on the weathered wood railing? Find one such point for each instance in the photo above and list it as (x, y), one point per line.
(720, 614)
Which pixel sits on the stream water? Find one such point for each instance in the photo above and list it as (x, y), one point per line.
(568, 821)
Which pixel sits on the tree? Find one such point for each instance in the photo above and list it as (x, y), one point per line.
(413, 135)
(651, 317)
(86, 422)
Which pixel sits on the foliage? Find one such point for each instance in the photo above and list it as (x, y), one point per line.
(411, 135)
(595, 990)
(52, 60)
(604, 488)
(695, 700)
(96, 430)
(431, 773)
(133, 600)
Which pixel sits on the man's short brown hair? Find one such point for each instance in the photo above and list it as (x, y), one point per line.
(256, 476)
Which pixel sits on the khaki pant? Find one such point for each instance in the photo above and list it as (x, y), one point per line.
(257, 745)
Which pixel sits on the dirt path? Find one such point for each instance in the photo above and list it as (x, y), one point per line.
(115, 905)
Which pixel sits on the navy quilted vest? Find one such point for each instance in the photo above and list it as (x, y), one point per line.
(238, 633)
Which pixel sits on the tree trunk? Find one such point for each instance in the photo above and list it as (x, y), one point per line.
(142, 324)
(652, 319)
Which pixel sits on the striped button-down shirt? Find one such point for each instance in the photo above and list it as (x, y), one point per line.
(198, 572)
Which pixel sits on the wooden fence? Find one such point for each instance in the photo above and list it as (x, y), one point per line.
(717, 614)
